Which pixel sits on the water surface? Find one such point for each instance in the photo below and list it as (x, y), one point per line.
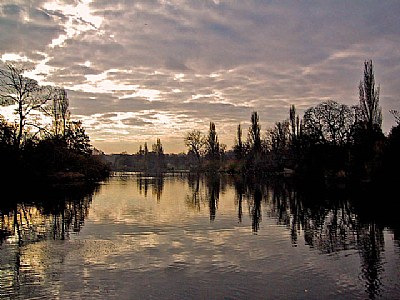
(195, 237)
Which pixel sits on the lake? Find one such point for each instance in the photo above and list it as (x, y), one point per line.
(197, 237)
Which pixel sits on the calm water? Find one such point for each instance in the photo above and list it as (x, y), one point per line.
(195, 238)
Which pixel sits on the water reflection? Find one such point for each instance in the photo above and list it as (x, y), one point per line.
(213, 190)
(204, 225)
(52, 215)
(156, 183)
(25, 221)
(327, 219)
(194, 198)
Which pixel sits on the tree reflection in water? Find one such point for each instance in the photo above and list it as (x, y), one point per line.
(52, 214)
(194, 198)
(156, 183)
(205, 189)
(213, 190)
(328, 219)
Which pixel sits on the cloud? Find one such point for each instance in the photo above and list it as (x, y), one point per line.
(146, 69)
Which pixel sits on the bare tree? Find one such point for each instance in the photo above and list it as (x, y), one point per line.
(396, 115)
(212, 143)
(239, 147)
(195, 142)
(279, 136)
(329, 122)
(294, 124)
(59, 111)
(370, 111)
(254, 136)
(24, 93)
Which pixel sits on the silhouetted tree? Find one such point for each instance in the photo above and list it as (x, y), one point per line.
(8, 155)
(370, 112)
(212, 143)
(254, 136)
(238, 148)
(367, 136)
(140, 151)
(195, 142)
(7, 133)
(294, 124)
(77, 139)
(280, 137)
(158, 160)
(158, 148)
(59, 111)
(329, 123)
(24, 93)
(396, 115)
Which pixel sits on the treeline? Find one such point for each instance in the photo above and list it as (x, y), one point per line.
(32, 149)
(153, 160)
(331, 140)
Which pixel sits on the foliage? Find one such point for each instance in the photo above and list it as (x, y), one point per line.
(158, 148)
(328, 123)
(239, 147)
(332, 141)
(369, 112)
(212, 144)
(254, 135)
(30, 150)
(77, 139)
(396, 115)
(195, 142)
(26, 94)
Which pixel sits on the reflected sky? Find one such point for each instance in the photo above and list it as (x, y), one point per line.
(159, 244)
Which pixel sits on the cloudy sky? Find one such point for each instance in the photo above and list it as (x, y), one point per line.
(137, 70)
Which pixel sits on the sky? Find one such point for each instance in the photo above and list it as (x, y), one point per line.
(136, 71)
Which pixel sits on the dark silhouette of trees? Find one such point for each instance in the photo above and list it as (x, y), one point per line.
(294, 125)
(256, 209)
(213, 189)
(59, 111)
(7, 133)
(396, 115)
(370, 113)
(391, 160)
(77, 139)
(32, 149)
(239, 147)
(332, 141)
(195, 142)
(254, 135)
(367, 137)
(158, 161)
(254, 156)
(329, 123)
(279, 137)
(158, 148)
(212, 143)
(25, 93)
